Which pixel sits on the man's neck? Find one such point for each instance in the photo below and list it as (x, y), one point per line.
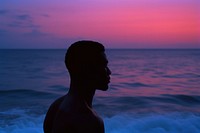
(82, 93)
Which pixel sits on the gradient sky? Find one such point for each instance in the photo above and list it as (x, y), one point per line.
(115, 23)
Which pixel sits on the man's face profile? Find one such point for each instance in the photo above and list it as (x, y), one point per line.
(100, 73)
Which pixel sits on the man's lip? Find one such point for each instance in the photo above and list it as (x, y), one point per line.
(109, 80)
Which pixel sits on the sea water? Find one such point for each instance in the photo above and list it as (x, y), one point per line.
(151, 91)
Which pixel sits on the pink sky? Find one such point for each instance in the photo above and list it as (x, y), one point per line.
(115, 23)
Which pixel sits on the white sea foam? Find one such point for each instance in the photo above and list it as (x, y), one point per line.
(171, 123)
(124, 123)
(21, 122)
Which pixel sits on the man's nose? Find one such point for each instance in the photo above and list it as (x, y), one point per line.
(108, 71)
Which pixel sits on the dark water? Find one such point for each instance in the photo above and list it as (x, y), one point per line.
(151, 91)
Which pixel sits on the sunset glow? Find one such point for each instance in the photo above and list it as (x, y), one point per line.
(117, 24)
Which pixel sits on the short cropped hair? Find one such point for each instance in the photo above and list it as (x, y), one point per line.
(83, 53)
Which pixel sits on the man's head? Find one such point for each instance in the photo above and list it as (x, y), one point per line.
(87, 62)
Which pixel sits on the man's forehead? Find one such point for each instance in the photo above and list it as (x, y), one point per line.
(99, 59)
(104, 57)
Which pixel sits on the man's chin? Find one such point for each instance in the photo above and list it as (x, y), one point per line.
(103, 88)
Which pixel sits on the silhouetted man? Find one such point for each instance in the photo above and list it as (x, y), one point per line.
(73, 113)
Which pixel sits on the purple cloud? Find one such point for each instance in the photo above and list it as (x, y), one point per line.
(3, 12)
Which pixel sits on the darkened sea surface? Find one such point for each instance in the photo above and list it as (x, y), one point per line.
(151, 91)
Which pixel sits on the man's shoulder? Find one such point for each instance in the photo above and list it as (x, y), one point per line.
(51, 114)
(57, 102)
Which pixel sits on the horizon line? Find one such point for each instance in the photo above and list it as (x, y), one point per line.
(105, 48)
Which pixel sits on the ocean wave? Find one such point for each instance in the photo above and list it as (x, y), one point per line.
(21, 123)
(153, 123)
(60, 88)
(122, 123)
(28, 93)
(23, 91)
(185, 99)
(183, 75)
(28, 99)
(143, 100)
(144, 104)
(138, 84)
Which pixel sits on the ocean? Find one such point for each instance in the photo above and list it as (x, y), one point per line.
(151, 90)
